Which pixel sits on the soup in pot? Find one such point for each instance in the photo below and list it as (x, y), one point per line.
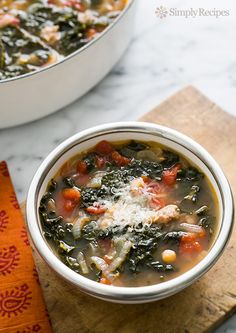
(38, 33)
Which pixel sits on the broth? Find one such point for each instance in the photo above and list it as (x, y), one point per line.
(129, 214)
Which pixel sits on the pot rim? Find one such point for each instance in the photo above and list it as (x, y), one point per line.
(75, 53)
(131, 294)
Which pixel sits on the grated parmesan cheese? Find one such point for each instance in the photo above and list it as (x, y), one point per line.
(131, 210)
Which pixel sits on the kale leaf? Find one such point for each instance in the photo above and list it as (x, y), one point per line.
(170, 159)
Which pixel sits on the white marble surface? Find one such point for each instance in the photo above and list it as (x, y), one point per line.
(165, 55)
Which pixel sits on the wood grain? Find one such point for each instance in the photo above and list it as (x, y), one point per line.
(199, 308)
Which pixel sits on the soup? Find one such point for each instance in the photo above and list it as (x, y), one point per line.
(38, 33)
(129, 214)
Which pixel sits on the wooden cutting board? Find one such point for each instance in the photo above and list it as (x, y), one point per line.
(199, 308)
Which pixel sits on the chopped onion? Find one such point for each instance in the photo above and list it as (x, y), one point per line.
(108, 269)
(201, 210)
(99, 263)
(96, 181)
(147, 155)
(78, 225)
(51, 205)
(82, 263)
(191, 227)
(158, 151)
(121, 257)
(93, 248)
(103, 266)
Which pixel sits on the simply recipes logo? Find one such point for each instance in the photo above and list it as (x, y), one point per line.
(163, 12)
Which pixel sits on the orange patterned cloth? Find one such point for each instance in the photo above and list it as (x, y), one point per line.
(22, 308)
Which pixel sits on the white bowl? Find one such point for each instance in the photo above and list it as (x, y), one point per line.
(126, 131)
(37, 94)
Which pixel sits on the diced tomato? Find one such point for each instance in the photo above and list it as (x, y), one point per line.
(157, 203)
(90, 33)
(155, 188)
(76, 4)
(72, 198)
(95, 209)
(8, 19)
(146, 179)
(107, 259)
(100, 162)
(15, 21)
(169, 176)
(104, 280)
(72, 194)
(119, 159)
(188, 238)
(82, 167)
(190, 248)
(197, 247)
(104, 147)
(64, 207)
(80, 7)
(190, 244)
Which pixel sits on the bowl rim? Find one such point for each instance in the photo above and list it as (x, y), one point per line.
(75, 53)
(143, 293)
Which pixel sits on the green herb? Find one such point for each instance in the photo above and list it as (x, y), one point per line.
(192, 196)
(14, 43)
(145, 242)
(160, 267)
(64, 247)
(69, 182)
(189, 174)
(170, 159)
(207, 222)
(173, 236)
(136, 146)
(52, 186)
(90, 231)
(50, 221)
(90, 161)
(72, 31)
(88, 196)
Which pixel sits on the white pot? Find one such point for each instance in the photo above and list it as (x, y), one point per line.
(37, 94)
